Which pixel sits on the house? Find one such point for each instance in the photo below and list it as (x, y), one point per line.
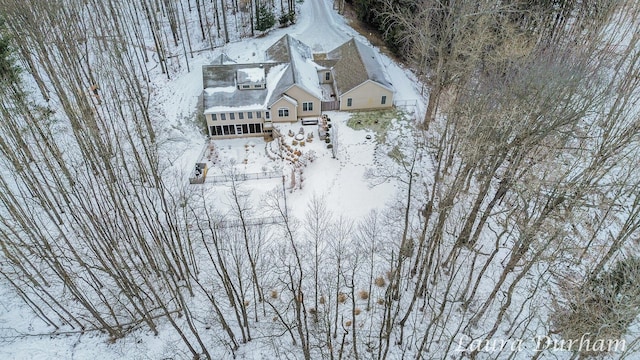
(358, 77)
(291, 84)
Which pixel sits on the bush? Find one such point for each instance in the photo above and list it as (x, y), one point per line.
(287, 19)
(602, 308)
(264, 18)
(342, 297)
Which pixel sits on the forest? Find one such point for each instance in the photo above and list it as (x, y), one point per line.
(514, 233)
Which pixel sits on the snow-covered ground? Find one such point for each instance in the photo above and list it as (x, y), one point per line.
(339, 178)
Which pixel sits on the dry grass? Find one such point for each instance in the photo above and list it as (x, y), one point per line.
(342, 297)
(362, 294)
(380, 282)
(347, 323)
(390, 274)
(380, 301)
(273, 294)
(357, 311)
(322, 300)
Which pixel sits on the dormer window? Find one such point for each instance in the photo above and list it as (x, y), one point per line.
(251, 78)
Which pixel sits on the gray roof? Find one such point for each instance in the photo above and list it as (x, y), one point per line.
(220, 88)
(223, 59)
(355, 63)
(287, 62)
(282, 49)
(302, 72)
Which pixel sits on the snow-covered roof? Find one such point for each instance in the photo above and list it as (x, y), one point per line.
(223, 59)
(353, 64)
(251, 75)
(304, 72)
(222, 95)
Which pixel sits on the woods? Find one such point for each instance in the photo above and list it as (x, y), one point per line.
(516, 214)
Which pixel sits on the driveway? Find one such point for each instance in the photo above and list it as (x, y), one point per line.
(325, 30)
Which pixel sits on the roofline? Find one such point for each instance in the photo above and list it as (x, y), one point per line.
(369, 80)
(303, 89)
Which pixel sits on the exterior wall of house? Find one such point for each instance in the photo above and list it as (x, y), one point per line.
(283, 111)
(368, 95)
(312, 103)
(325, 76)
(235, 124)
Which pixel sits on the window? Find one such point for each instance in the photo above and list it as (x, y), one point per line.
(250, 115)
(283, 112)
(252, 128)
(258, 114)
(384, 100)
(349, 101)
(212, 130)
(259, 86)
(214, 117)
(258, 128)
(223, 116)
(307, 106)
(232, 116)
(240, 115)
(327, 76)
(246, 86)
(245, 129)
(267, 115)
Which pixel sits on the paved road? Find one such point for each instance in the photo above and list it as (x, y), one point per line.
(325, 30)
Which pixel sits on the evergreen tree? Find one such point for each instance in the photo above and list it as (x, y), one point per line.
(264, 18)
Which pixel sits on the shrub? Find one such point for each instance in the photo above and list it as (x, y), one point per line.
(264, 18)
(380, 282)
(342, 297)
(602, 308)
(362, 294)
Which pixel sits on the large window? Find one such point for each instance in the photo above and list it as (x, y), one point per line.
(349, 101)
(283, 112)
(307, 106)
(384, 100)
(258, 114)
(255, 128)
